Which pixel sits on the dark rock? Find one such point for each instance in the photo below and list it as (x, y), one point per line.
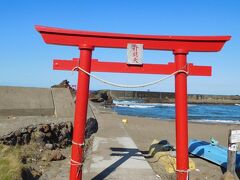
(91, 127)
(69, 125)
(19, 140)
(47, 137)
(11, 142)
(30, 173)
(98, 96)
(64, 133)
(31, 128)
(62, 125)
(102, 96)
(53, 127)
(9, 139)
(45, 128)
(23, 130)
(26, 138)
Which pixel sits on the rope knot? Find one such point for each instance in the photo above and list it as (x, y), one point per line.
(78, 164)
(78, 144)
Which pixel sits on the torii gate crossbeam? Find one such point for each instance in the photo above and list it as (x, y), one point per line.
(87, 41)
(117, 67)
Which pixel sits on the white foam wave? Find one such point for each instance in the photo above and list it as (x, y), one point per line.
(167, 104)
(237, 104)
(140, 106)
(134, 106)
(124, 102)
(137, 104)
(173, 105)
(216, 121)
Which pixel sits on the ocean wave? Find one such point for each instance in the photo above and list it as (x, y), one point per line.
(167, 104)
(139, 104)
(201, 113)
(125, 101)
(134, 106)
(216, 121)
(173, 105)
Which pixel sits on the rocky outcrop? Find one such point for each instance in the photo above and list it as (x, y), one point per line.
(65, 84)
(101, 97)
(49, 136)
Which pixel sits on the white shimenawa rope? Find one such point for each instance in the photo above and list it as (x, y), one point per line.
(75, 163)
(130, 86)
(79, 144)
(184, 171)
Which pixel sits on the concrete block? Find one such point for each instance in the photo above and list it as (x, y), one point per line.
(63, 102)
(26, 101)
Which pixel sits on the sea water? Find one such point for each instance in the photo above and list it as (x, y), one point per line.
(207, 113)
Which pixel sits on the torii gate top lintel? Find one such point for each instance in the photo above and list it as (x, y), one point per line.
(67, 37)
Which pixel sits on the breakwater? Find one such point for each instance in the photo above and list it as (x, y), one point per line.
(30, 101)
(169, 97)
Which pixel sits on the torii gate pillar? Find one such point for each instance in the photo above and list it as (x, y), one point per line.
(181, 111)
(80, 111)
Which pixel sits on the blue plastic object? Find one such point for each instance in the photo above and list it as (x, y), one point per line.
(211, 152)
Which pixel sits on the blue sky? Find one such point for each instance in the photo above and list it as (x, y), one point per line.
(25, 60)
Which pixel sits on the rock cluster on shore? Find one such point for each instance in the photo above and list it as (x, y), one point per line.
(50, 136)
(101, 96)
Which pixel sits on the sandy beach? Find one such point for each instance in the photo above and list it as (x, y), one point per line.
(144, 130)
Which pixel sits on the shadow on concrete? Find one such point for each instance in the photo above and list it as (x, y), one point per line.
(125, 153)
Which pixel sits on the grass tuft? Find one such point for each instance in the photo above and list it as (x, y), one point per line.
(10, 163)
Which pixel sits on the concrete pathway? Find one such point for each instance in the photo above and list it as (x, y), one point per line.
(114, 154)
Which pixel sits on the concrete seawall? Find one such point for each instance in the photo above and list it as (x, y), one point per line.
(168, 97)
(27, 101)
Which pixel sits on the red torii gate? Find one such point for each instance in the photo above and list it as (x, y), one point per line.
(87, 41)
